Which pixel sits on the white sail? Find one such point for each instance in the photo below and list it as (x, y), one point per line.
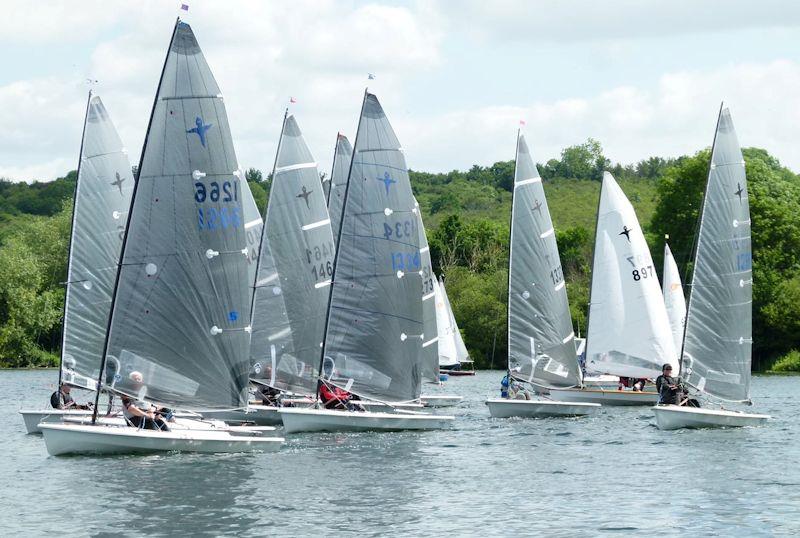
(674, 300)
(628, 332)
(447, 343)
(462, 354)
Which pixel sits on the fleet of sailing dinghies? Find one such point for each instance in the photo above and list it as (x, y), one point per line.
(674, 301)
(99, 212)
(180, 323)
(629, 333)
(339, 176)
(541, 342)
(718, 339)
(374, 330)
(294, 272)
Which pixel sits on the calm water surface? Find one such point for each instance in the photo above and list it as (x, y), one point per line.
(610, 474)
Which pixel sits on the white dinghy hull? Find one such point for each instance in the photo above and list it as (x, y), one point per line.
(318, 420)
(673, 417)
(443, 400)
(64, 439)
(33, 417)
(605, 397)
(505, 408)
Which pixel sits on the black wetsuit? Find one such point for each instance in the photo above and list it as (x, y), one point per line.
(59, 400)
(668, 395)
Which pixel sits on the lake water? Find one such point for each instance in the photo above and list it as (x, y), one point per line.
(610, 474)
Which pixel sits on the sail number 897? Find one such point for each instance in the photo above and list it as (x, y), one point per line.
(644, 272)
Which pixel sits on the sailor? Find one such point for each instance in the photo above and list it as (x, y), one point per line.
(669, 389)
(146, 418)
(61, 399)
(269, 395)
(334, 397)
(504, 387)
(517, 392)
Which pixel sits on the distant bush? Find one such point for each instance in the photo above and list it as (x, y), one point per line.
(788, 363)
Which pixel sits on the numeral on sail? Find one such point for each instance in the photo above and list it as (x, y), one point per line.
(402, 261)
(644, 272)
(230, 190)
(557, 275)
(399, 230)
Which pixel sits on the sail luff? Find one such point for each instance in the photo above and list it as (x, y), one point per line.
(430, 347)
(71, 239)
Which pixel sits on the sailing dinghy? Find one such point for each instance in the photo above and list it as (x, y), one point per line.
(374, 325)
(628, 333)
(178, 332)
(541, 342)
(717, 343)
(99, 211)
(454, 358)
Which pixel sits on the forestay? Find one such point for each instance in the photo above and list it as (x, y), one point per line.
(674, 301)
(541, 342)
(339, 175)
(430, 348)
(444, 324)
(628, 333)
(100, 210)
(294, 273)
(717, 349)
(374, 334)
(180, 317)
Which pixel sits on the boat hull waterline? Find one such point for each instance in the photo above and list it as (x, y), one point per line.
(505, 408)
(317, 420)
(63, 439)
(605, 397)
(673, 417)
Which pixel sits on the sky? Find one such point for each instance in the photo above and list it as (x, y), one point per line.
(455, 78)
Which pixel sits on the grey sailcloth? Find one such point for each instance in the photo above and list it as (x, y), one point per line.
(374, 334)
(294, 274)
(102, 199)
(181, 313)
(252, 227)
(430, 348)
(541, 343)
(339, 176)
(718, 339)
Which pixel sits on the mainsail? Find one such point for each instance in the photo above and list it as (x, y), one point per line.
(541, 343)
(252, 227)
(461, 353)
(99, 213)
(339, 176)
(718, 341)
(181, 312)
(374, 332)
(444, 322)
(430, 349)
(294, 272)
(628, 333)
(674, 300)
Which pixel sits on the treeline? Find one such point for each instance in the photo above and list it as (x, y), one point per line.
(466, 214)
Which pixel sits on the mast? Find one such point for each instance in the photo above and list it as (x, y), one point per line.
(127, 228)
(71, 236)
(508, 272)
(338, 242)
(696, 241)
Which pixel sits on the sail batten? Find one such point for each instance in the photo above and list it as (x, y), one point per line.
(180, 318)
(294, 272)
(629, 333)
(717, 348)
(538, 311)
(375, 316)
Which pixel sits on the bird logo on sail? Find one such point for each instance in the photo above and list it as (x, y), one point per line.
(387, 181)
(626, 232)
(739, 192)
(118, 182)
(200, 129)
(537, 206)
(304, 194)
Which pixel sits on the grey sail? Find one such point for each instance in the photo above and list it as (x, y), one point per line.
(430, 348)
(180, 317)
(252, 227)
(541, 343)
(718, 338)
(374, 333)
(339, 176)
(102, 199)
(294, 272)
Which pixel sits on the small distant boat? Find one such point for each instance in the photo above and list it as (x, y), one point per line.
(375, 327)
(718, 340)
(453, 355)
(541, 342)
(628, 332)
(100, 207)
(178, 332)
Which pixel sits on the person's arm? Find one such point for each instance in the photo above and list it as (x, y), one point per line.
(135, 411)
